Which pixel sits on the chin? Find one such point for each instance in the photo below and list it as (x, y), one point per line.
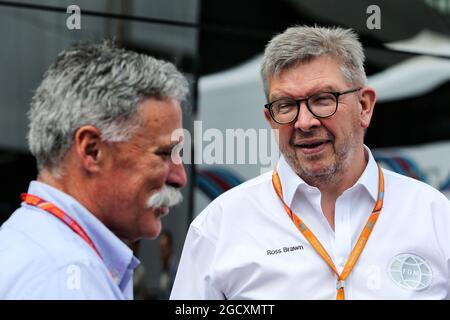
(324, 174)
(151, 229)
(310, 167)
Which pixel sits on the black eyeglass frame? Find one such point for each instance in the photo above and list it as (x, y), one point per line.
(298, 102)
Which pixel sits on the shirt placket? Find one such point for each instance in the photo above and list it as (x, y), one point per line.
(343, 236)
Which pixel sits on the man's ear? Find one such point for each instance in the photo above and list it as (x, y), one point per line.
(88, 146)
(367, 99)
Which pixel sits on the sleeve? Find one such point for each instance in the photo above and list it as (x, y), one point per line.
(440, 210)
(194, 280)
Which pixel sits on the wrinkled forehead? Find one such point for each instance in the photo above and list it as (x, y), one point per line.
(159, 119)
(303, 79)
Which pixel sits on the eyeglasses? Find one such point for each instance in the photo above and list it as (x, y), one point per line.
(321, 105)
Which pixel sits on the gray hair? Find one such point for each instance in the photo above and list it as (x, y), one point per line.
(96, 84)
(301, 44)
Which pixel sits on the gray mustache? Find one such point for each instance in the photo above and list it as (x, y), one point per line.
(168, 196)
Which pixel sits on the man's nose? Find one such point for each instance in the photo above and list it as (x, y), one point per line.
(177, 175)
(305, 119)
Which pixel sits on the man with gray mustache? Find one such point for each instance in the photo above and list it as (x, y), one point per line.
(167, 197)
(101, 126)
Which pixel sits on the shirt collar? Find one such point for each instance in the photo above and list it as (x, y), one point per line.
(291, 181)
(369, 178)
(117, 256)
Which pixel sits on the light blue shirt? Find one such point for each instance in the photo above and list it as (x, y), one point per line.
(42, 258)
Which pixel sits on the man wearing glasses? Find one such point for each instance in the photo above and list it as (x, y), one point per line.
(328, 222)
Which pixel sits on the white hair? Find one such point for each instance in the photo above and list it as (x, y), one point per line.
(301, 44)
(168, 196)
(96, 84)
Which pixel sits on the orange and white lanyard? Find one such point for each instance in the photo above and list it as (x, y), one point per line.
(360, 244)
(61, 215)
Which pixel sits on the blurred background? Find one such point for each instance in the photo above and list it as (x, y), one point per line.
(219, 45)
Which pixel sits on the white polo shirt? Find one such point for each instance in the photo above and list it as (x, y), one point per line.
(244, 245)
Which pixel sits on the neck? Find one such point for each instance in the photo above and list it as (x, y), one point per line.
(348, 176)
(45, 176)
(72, 186)
(331, 191)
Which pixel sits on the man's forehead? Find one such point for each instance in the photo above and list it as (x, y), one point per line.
(306, 79)
(160, 116)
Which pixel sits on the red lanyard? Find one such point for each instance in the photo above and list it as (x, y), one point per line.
(61, 215)
(360, 244)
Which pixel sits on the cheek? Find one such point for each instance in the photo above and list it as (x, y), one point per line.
(284, 135)
(346, 133)
(340, 126)
(153, 180)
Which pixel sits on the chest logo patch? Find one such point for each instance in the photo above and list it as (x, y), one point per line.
(410, 271)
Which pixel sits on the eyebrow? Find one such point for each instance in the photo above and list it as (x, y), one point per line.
(170, 146)
(327, 88)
